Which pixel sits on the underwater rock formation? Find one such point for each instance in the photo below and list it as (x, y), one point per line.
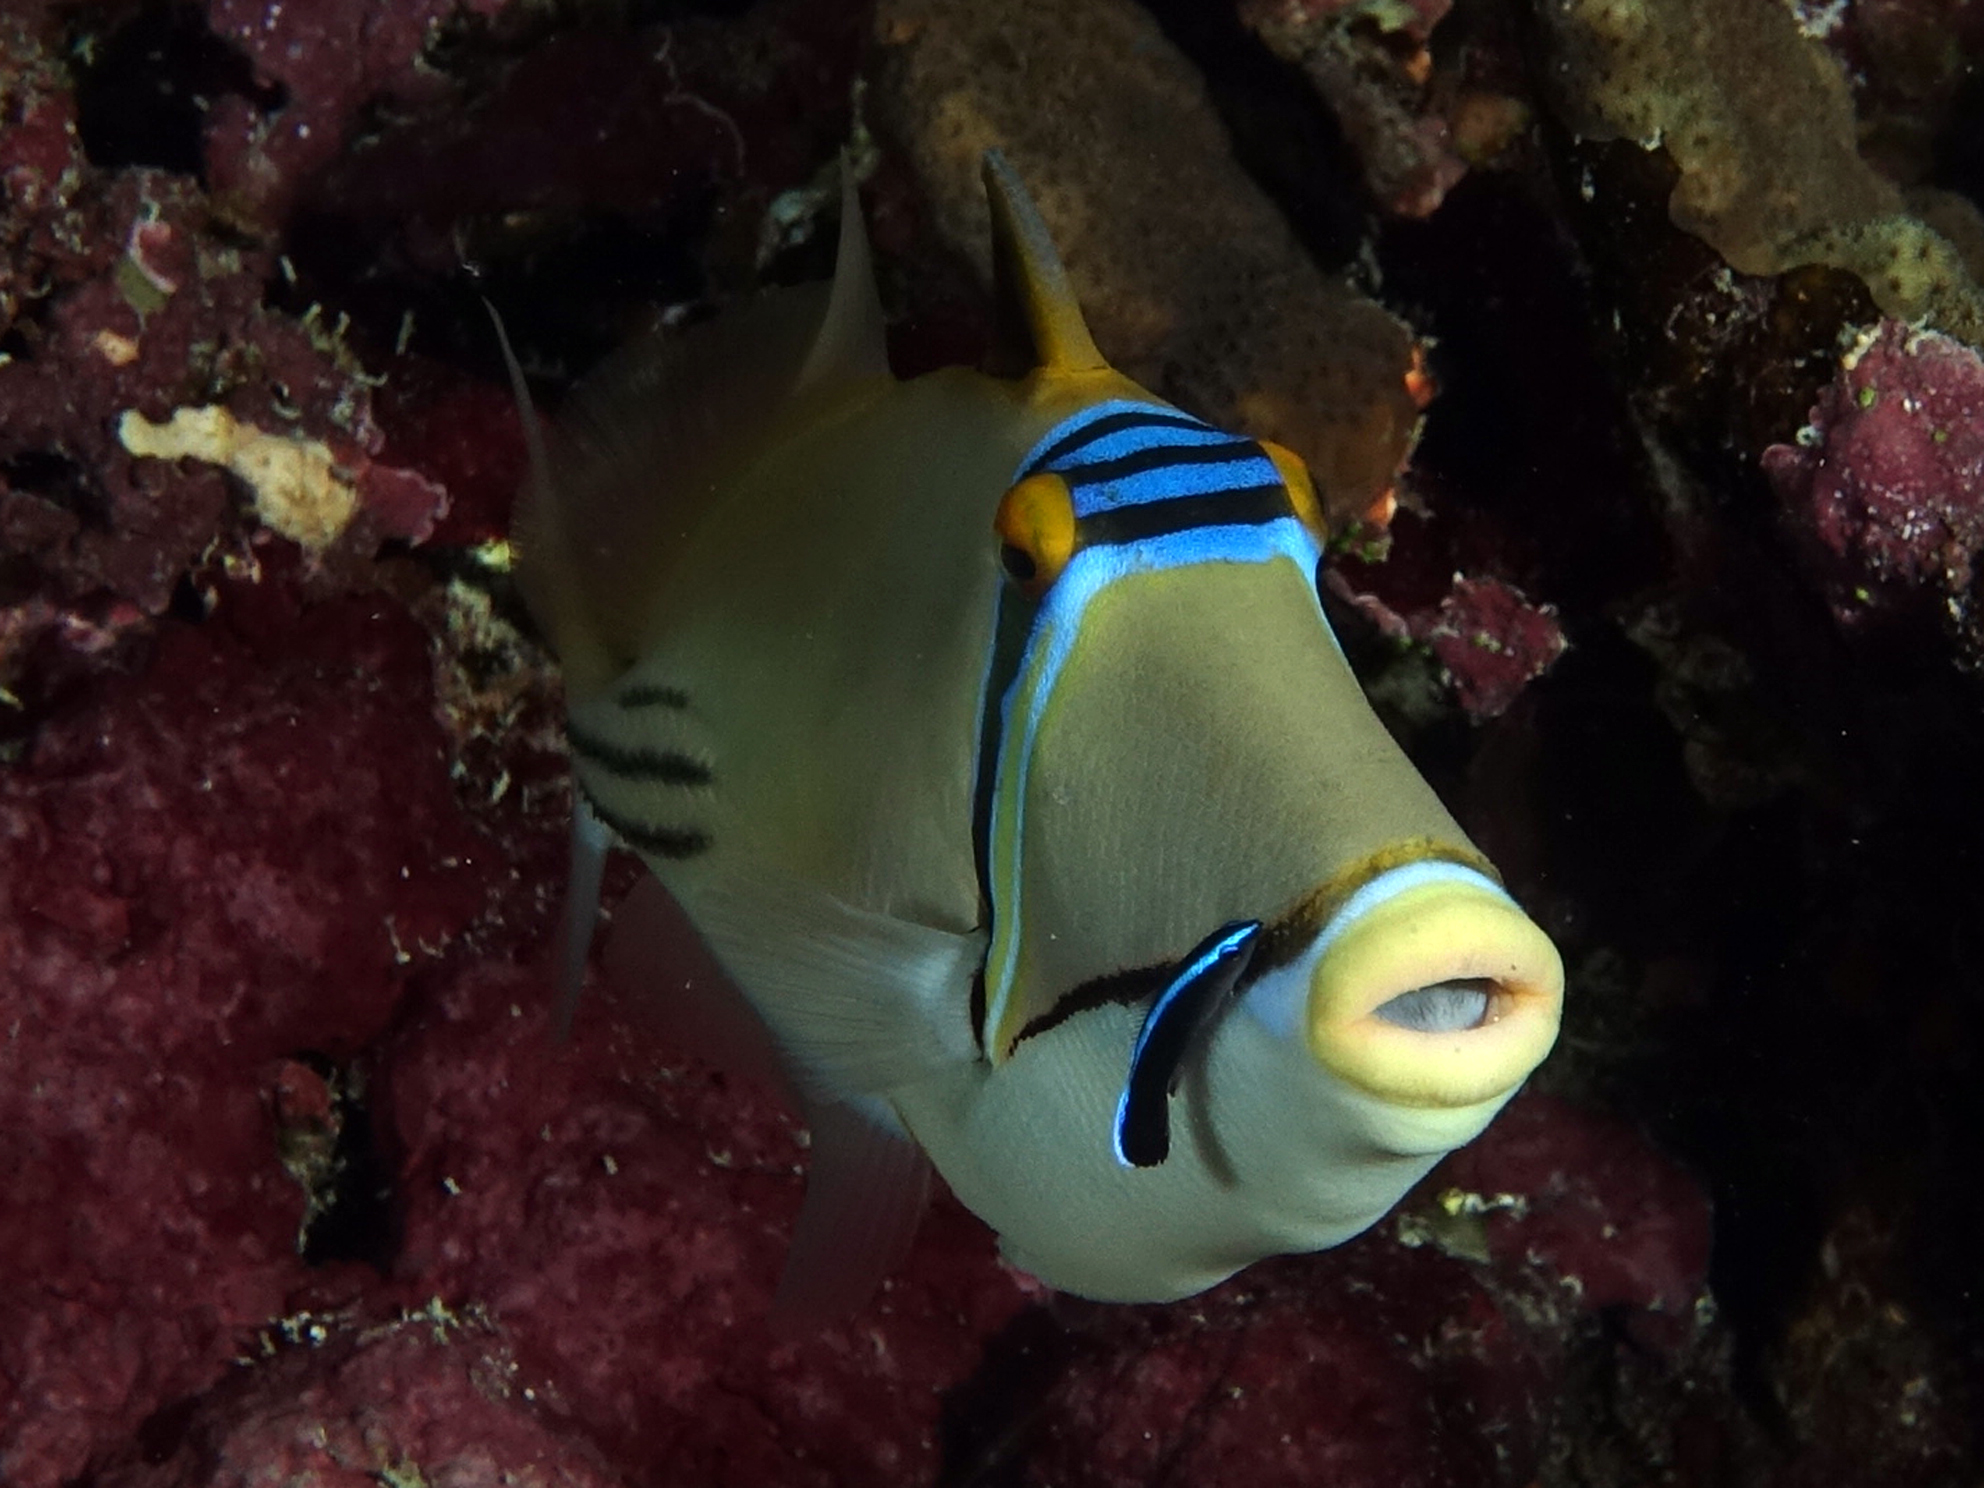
(423, 1396)
(1193, 284)
(1888, 477)
(237, 855)
(1374, 66)
(1759, 122)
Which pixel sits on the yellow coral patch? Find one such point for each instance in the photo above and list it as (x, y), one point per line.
(297, 489)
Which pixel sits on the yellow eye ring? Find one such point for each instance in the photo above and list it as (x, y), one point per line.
(1301, 488)
(1036, 527)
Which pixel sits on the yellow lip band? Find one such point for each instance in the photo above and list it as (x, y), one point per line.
(1453, 927)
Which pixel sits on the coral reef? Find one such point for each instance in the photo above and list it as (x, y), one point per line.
(241, 853)
(1373, 64)
(1888, 476)
(1760, 124)
(1646, 402)
(423, 1397)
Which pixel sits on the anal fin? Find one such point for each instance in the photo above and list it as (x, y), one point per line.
(654, 957)
(590, 841)
(867, 1185)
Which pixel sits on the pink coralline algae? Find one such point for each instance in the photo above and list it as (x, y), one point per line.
(1493, 642)
(332, 61)
(1887, 480)
(242, 854)
(1491, 639)
(623, 1215)
(125, 293)
(337, 1404)
(1580, 1201)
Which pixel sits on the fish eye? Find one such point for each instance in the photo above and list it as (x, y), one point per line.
(1036, 528)
(1301, 486)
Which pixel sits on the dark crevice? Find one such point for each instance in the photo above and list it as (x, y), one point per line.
(1283, 134)
(988, 1422)
(161, 1434)
(562, 290)
(353, 1215)
(58, 480)
(144, 90)
(1958, 156)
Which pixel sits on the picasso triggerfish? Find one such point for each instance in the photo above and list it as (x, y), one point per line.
(990, 733)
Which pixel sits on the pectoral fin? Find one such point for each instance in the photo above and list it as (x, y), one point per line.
(861, 1003)
(653, 956)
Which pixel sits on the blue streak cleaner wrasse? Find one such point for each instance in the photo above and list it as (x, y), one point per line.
(989, 731)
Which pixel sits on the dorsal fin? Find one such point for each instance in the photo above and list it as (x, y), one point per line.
(645, 441)
(851, 346)
(1039, 322)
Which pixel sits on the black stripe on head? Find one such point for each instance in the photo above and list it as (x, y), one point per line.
(664, 766)
(647, 695)
(1160, 457)
(1127, 987)
(1113, 423)
(644, 837)
(1245, 506)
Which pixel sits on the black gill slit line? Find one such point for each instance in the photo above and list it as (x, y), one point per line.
(638, 764)
(1244, 506)
(1129, 987)
(1162, 457)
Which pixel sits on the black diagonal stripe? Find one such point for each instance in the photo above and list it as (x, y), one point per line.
(1113, 423)
(661, 842)
(647, 695)
(1160, 457)
(1130, 986)
(663, 765)
(1244, 506)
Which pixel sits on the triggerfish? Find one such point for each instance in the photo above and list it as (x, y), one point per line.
(990, 732)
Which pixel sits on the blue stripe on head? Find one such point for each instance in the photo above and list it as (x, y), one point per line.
(1123, 454)
(1247, 470)
(1114, 427)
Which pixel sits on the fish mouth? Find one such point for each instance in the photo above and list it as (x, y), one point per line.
(1430, 987)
